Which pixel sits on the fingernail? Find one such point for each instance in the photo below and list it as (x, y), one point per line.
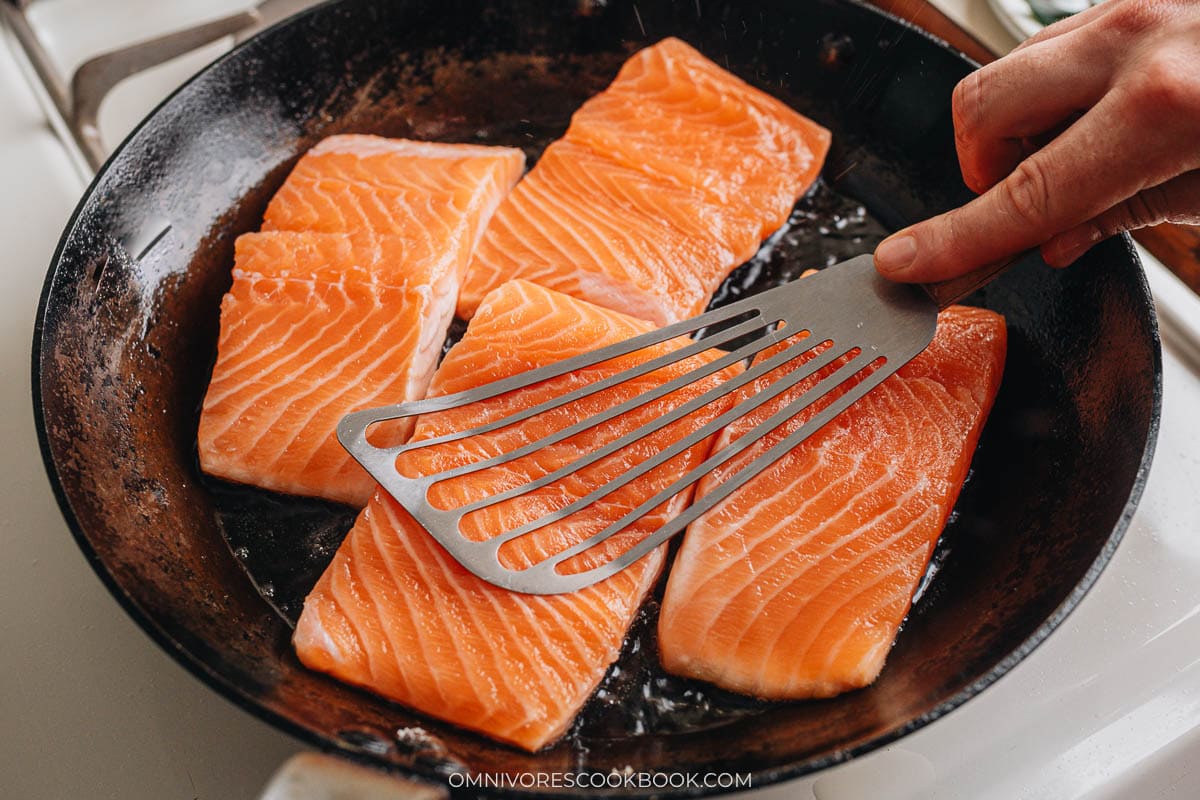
(895, 253)
(1067, 247)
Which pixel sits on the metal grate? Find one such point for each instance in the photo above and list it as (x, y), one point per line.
(75, 99)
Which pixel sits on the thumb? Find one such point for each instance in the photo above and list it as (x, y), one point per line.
(1074, 178)
(1177, 200)
(1022, 211)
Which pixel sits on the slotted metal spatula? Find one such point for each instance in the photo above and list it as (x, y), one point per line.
(866, 328)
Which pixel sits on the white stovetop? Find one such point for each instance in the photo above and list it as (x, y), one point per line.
(1108, 707)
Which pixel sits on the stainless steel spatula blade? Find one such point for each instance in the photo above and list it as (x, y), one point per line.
(858, 329)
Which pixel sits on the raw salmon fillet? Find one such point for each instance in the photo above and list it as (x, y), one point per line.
(436, 196)
(394, 613)
(311, 330)
(663, 183)
(342, 303)
(795, 586)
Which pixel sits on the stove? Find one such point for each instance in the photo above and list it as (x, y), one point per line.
(1108, 707)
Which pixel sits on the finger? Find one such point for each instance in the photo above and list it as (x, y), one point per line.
(995, 108)
(1027, 146)
(1071, 23)
(1177, 200)
(1095, 164)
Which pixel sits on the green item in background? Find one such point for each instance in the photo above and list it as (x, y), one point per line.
(1051, 11)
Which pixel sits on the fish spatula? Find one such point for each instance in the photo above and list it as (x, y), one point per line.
(853, 327)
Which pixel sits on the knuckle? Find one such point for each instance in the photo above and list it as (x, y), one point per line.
(952, 233)
(1145, 208)
(1109, 223)
(1133, 17)
(1105, 227)
(1136, 214)
(966, 104)
(942, 242)
(1166, 89)
(1027, 192)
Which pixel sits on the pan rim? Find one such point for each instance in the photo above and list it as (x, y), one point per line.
(759, 778)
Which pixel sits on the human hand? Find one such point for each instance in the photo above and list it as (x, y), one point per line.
(1089, 128)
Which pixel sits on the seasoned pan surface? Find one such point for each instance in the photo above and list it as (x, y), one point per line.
(127, 330)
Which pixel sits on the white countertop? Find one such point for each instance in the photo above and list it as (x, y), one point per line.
(89, 706)
(1108, 707)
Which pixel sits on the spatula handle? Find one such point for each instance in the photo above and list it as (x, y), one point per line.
(947, 293)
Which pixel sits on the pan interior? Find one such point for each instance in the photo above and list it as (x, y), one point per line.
(216, 573)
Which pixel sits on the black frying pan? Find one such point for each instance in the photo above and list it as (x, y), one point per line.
(127, 328)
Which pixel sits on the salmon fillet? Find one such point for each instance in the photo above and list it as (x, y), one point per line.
(394, 613)
(315, 326)
(663, 183)
(342, 303)
(436, 196)
(796, 584)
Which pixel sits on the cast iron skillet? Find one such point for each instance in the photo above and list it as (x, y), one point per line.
(127, 326)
